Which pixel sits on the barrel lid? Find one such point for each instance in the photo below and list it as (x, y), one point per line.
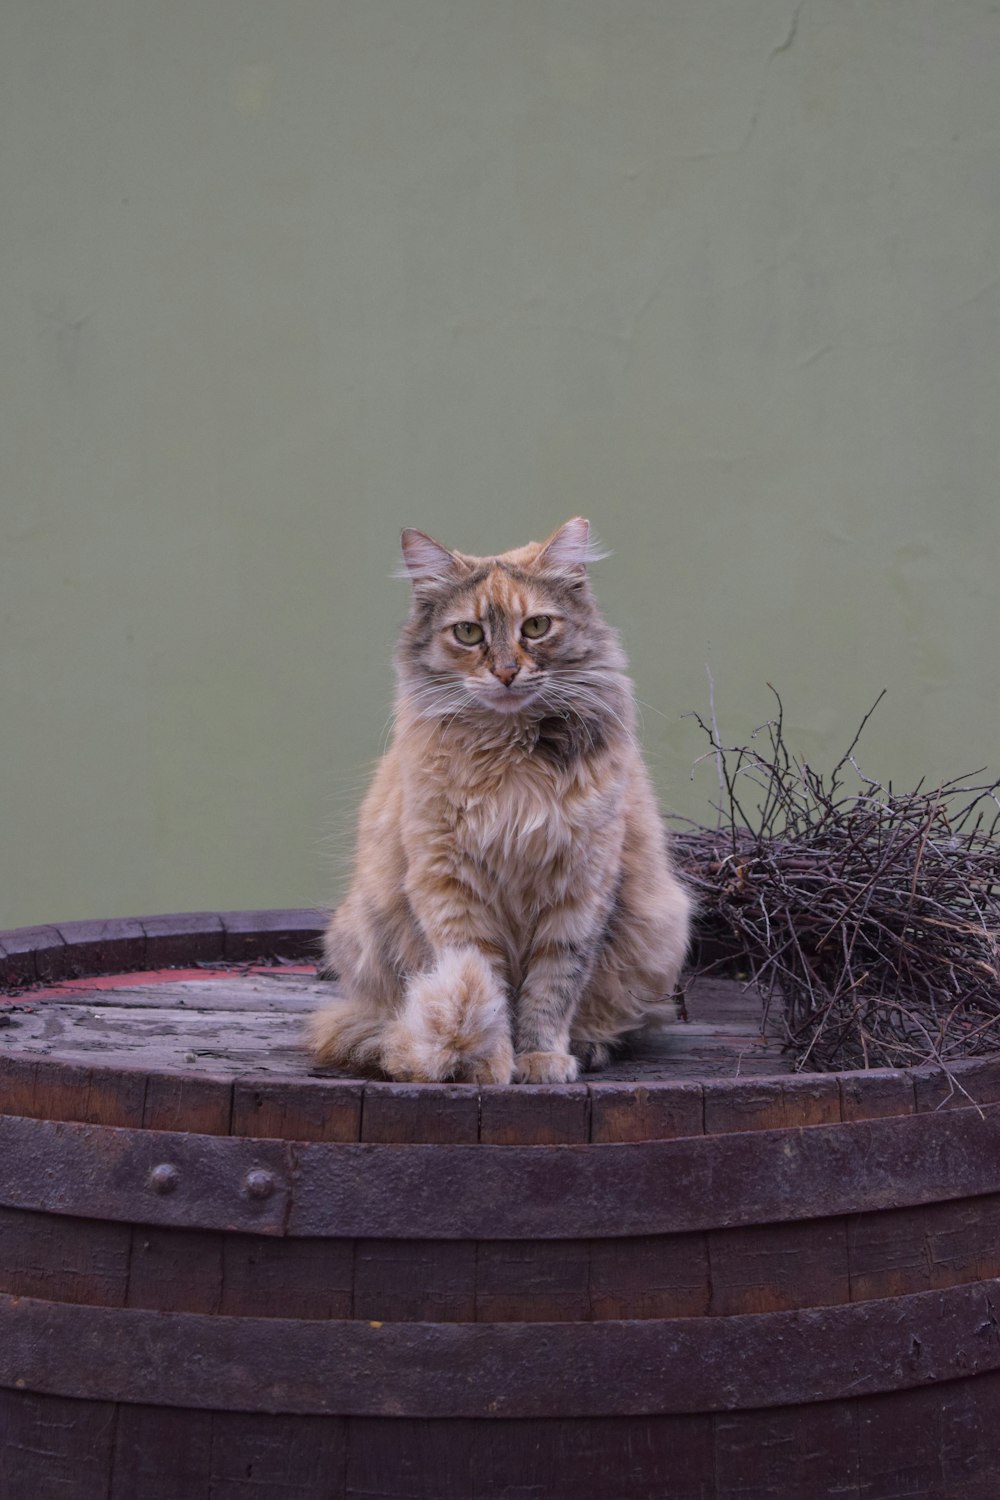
(196, 1021)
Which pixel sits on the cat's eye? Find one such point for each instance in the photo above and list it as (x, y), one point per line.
(535, 627)
(468, 633)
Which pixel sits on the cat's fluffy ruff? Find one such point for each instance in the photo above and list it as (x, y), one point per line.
(513, 907)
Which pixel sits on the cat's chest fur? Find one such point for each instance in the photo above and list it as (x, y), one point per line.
(518, 816)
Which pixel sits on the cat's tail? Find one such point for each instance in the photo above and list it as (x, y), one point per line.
(453, 1024)
(347, 1033)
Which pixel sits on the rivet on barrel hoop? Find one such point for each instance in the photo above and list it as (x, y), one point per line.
(259, 1184)
(164, 1177)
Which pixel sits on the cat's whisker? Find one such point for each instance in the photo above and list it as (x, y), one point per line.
(441, 709)
(432, 700)
(573, 691)
(600, 702)
(450, 719)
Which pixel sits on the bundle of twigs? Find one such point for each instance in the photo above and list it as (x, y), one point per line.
(872, 915)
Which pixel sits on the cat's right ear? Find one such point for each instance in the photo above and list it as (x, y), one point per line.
(425, 561)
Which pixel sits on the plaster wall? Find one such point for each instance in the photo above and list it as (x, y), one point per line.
(275, 280)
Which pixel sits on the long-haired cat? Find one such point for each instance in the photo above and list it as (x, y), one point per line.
(513, 910)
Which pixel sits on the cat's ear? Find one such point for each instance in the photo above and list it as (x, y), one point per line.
(425, 561)
(570, 549)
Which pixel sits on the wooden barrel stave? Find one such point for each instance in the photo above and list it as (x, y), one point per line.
(935, 1444)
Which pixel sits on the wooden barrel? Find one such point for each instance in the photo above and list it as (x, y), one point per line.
(224, 1274)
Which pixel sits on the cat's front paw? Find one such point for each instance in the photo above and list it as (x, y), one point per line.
(495, 1069)
(545, 1067)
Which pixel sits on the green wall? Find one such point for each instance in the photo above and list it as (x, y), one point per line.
(276, 279)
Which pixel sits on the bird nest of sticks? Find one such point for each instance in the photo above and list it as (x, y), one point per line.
(868, 919)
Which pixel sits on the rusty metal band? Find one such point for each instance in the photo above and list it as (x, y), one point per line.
(499, 1369)
(497, 1192)
(144, 1176)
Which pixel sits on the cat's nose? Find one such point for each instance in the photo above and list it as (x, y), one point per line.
(506, 671)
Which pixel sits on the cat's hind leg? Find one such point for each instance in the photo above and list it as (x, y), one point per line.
(453, 1024)
(347, 1032)
(637, 970)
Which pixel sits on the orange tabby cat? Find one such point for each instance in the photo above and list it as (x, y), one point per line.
(513, 910)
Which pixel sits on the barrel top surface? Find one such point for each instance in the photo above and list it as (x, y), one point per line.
(229, 994)
(252, 1020)
(216, 1003)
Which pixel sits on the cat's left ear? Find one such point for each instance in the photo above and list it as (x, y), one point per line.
(425, 560)
(570, 549)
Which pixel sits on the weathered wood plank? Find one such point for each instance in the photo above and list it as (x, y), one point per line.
(254, 935)
(273, 991)
(402, 1113)
(308, 1109)
(55, 1449)
(278, 1457)
(179, 1102)
(623, 1112)
(253, 1021)
(56, 1258)
(58, 1089)
(876, 1094)
(100, 947)
(31, 954)
(175, 1270)
(430, 1281)
(737, 1104)
(273, 1278)
(184, 938)
(162, 1453)
(160, 1040)
(937, 1444)
(778, 1267)
(533, 1281)
(636, 1458)
(790, 1454)
(936, 1088)
(543, 1115)
(651, 1276)
(918, 1249)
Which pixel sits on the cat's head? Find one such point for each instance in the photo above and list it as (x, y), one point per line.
(518, 633)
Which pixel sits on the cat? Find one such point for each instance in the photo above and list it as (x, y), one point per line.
(514, 911)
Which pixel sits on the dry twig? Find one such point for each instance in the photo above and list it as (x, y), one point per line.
(874, 915)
